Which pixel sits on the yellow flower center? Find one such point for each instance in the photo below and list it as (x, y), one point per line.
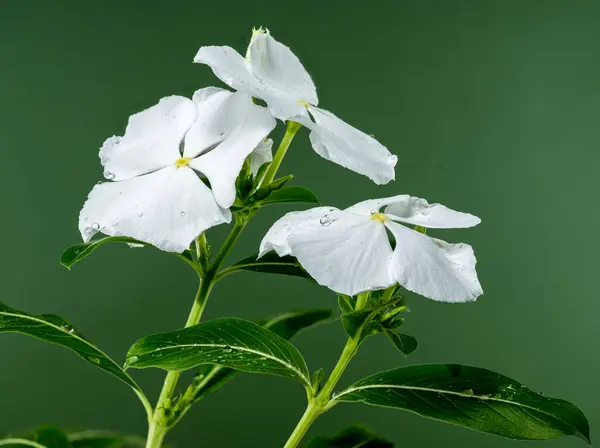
(182, 161)
(303, 103)
(379, 217)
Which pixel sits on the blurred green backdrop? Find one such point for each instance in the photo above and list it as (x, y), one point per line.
(492, 107)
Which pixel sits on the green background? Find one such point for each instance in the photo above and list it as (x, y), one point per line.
(491, 106)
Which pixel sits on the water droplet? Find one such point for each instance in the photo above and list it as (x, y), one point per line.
(468, 392)
(227, 349)
(326, 220)
(425, 212)
(262, 358)
(95, 226)
(109, 175)
(182, 213)
(94, 360)
(140, 215)
(132, 359)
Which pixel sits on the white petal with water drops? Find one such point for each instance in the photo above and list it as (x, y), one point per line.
(151, 140)
(167, 208)
(349, 250)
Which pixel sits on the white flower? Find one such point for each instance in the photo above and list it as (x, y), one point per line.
(273, 73)
(155, 194)
(349, 250)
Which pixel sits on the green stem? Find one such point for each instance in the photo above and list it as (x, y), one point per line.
(159, 424)
(161, 421)
(322, 402)
(290, 132)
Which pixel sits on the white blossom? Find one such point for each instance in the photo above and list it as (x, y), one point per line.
(155, 193)
(271, 72)
(350, 252)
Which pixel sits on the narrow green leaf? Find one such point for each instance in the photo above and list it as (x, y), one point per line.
(403, 342)
(351, 437)
(473, 398)
(291, 195)
(17, 441)
(345, 304)
(54, 329)
(231, 342)
(286, 325)
(270, 263)
(78, 252)
(356, 320)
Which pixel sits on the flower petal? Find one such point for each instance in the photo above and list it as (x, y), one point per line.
(151, 140)
(347, 253)
(231, 68)
(275, 65)
(339, 142)
(212, 123)
(248, 125)
(167, 208)
(416, 211)
(260, 155)
(277, 237)
(434, 268)
(419, 212)
(371, 206)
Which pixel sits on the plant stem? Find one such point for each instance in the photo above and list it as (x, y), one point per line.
(160, 421)
(290, 132)
(322, 402)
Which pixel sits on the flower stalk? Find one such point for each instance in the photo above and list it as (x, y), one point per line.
(323, 401)
(290, 132)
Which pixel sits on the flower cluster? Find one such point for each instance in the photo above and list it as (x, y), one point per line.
(172, 175)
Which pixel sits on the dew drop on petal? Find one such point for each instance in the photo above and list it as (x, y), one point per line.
(326, 220)
(140, 215)
(95, 226)
(109, 175)
(132, 359)
(182, 213)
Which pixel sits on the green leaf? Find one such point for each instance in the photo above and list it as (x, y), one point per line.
(354, 321)
(270, 263)
(291, 195)
(345, 304)
(403, 342)
(231, 342)
(78, 252)
(54, 329)
(286, 325)
(471, 397)
(352, 437)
